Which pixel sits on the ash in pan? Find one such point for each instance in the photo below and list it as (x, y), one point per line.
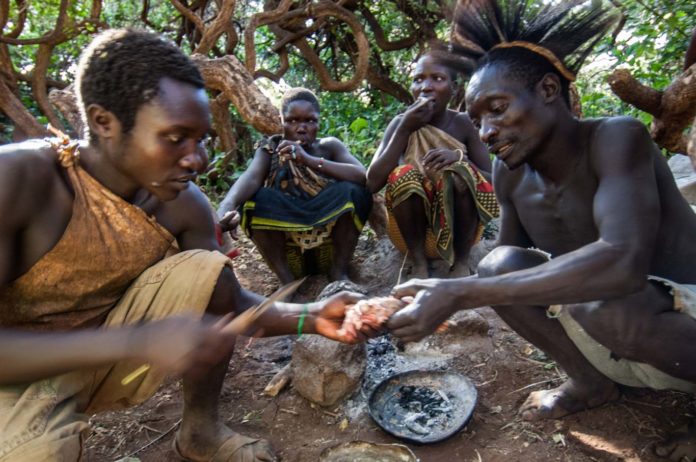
(419, 410)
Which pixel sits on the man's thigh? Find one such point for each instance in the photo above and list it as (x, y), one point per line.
(640, 340)
(181, 284)
(626, 325)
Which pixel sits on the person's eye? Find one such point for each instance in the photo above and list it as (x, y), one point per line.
(175, 138)
(204, 140)
(498, 108)
(418, 80)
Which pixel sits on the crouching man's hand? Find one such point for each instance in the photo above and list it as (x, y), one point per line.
(183, 345)
(331, 313)
(434, 300)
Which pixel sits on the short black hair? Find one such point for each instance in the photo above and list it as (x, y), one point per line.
(299, 94)
(568, 30)
(122, 68)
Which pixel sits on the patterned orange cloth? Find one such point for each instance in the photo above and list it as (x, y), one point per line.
(107, 244)
(408, 179)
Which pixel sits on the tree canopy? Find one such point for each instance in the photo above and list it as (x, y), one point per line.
(356, 54)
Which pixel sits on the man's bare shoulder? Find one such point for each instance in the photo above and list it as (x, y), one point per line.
(27, 170)
(461, 120)
(35, 158)
(619, 141)
(28, 174)
(330, 143)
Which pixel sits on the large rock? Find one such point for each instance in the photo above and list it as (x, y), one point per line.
(325, 371)
(685, 176)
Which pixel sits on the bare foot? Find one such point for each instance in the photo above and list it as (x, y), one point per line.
(567, 399)
(680, 446)
(223, 445)
(460, 270)
(419, 270)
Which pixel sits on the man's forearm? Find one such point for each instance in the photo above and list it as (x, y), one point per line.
(284, 318)
(597, 271)
(30, 356)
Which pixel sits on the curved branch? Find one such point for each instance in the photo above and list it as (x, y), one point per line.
(144, 14)
(229, 76)
(221, 24)
(11, 106)
(65, 101)
(18, 23)
(222, 122)
(189, 15)
(38, 87)
(327, 9)
(690, 56)
(673, 109)
(631, 91)
(256, 21)
(52, 36)
(277, 75)
(380, 37)
(385, 84)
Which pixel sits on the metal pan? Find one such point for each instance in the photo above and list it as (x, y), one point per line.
(423, 406)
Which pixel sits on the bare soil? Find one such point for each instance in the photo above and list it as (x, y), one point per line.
(504, 367)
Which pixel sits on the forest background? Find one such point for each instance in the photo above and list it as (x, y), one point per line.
(356, 54)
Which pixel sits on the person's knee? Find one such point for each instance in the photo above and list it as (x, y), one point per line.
(224, 297)
(506, 259)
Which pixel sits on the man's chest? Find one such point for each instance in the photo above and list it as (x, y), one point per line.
(557, 218)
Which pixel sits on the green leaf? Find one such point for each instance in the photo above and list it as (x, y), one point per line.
(358, 125)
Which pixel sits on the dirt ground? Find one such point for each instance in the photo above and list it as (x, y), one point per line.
(503, 366)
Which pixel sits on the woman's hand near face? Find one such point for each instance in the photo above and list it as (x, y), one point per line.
(291, 150)
(418, 114)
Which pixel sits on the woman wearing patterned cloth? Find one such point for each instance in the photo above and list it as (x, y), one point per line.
(437, 174)
(300, 192)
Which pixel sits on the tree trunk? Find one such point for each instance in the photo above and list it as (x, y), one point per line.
(28, 126)
(673, 109)
(66, 102)
(229, 76)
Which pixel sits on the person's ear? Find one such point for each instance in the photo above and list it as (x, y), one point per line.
(549, 87)
(104, 124)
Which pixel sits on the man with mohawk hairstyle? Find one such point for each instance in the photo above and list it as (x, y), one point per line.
(611, 296)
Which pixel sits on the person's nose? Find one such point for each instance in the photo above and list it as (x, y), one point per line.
(426, 86)
(488, 132)
(196, 160)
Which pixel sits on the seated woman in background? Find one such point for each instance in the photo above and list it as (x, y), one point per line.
(300, 192)
(437, 173)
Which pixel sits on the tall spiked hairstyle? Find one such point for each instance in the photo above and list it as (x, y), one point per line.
(531, 37)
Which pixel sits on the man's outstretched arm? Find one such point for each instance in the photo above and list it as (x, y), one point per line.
(626, 213)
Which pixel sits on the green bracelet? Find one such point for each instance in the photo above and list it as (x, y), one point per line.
(300, 322)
